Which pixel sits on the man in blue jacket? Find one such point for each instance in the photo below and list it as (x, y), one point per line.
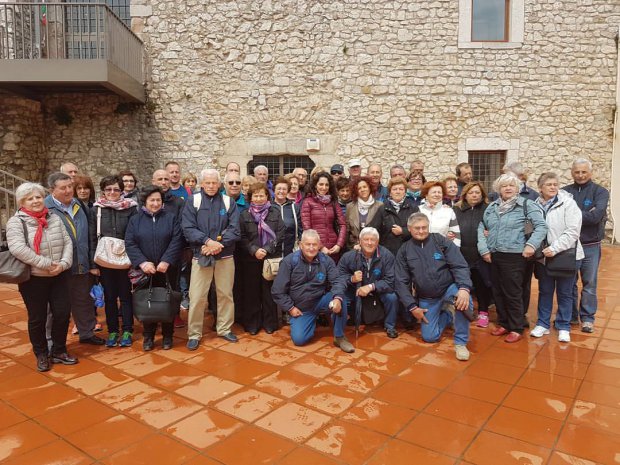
(211, 226)
(307, 284)
(434, 268)
(73, 215)
(592, 199)
(369, 273)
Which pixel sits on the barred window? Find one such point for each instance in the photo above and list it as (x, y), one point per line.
(280, 165)
(486, 166)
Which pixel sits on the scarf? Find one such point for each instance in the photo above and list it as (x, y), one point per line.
(397, 205)
(121, 204)
(150, 213)
(506, 205)
(42, 223)
(364, 206)
(324, 199)
(259, 213)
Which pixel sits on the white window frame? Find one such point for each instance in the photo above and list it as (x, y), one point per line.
(516, 29)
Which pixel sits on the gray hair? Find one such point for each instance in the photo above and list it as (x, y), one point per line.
(210, 173)
(260, 167)
(26, 189)
(369, 231)
(543, 178)
(583, 161)
(310, 234)
(53, 178)
(228, 175)
(416, 217)
(506, 180)
(515, 167)
(65, 165)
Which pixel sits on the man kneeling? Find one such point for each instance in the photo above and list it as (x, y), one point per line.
(307, 284)
(434, 268)
(370, 270)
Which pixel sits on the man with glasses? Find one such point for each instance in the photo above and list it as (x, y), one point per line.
(232, 188)
(302, 176)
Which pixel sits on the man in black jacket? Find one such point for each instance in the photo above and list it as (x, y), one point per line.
(592, 199)
(307, 284)
(434, 268)
(369, 273)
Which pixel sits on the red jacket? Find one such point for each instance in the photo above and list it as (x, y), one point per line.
(315, 215)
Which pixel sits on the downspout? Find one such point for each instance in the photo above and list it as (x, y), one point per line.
(615, 155)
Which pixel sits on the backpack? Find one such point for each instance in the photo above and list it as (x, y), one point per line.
(197, 201)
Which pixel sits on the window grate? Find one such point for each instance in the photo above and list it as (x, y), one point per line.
(280, 165)
(486, 166)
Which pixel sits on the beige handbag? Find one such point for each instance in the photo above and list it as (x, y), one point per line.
(110, 252)
(270, 268)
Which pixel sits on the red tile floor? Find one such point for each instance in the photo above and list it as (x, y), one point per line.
(265, 401)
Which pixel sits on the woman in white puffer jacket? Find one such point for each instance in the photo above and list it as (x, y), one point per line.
(47, 248)
(563, 218)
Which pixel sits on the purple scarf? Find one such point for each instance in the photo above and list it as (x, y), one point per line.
(259, 213)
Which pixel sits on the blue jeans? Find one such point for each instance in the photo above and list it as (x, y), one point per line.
(547, 285)
(588, 269)
(303, 326)
(439, 319)
(390, 306)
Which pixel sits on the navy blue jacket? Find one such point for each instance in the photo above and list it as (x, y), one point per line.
(592, 199)
(301, 284)
(380, 272)
(174, 204)
(154, 238)
(430, 267)
(211, 221)
(389, 218)
(293, 228)
(76, 225)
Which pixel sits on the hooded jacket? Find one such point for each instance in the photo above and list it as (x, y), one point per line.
(563, 224)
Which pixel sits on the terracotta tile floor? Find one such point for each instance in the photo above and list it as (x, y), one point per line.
(266, 401)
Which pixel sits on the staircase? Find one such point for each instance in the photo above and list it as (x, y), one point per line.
(8, 205)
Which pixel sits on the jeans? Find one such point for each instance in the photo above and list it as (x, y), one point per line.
(439, 319)
(546, 287)
(303, 326)
(390, 306)
(116, 285)
(588, 269)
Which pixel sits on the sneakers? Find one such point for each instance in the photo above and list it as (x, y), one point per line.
(148, 344)
(483, 320)
(178, 322)
(462, 353)
(563, 335)
(112, 340)
(499, 331)
(344, 344)
(185, 304)
(391, 333)
(587, 327)
(539, 331)
(192, 344)
(98, 328)
(126, 339)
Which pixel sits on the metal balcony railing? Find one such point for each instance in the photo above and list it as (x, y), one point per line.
(8, 204)
(57, 31)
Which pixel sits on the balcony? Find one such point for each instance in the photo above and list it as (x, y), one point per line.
(68, 47)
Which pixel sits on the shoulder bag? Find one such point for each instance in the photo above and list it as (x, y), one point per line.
(562, 265)
(110, 252)
(270, 268)
(12, 270)
(155, 304)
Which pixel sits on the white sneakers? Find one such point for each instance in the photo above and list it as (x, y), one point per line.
(539, 331)
(563, 335)
(462, 353)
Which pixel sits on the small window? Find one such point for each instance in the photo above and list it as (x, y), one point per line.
(490, 20)
(280, 165)
(486, 166)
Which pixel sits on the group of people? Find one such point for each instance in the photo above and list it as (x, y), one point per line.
(266, 252)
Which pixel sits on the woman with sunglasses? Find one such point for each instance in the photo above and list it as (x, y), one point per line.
(115, 214)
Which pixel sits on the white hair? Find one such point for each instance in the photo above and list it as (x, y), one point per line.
(210, 173)
(506, 180)
(515, 167)
(260, 167)
(26, 189)
(310, 234)
(369, 231)
(583, 161)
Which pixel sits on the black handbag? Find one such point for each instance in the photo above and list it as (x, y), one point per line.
(155, 304)
(12, 270)
(372, 309)
(563, 264)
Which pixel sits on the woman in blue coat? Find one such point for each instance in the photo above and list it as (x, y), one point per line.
(154, 243)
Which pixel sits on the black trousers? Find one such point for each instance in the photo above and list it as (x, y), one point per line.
(258, 310)
(159, 279)
(38, 293)
(481, 290)
(116, 286)
(508, 271)
(527, 284)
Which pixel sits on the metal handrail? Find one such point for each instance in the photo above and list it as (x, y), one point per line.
(39, 31)
(8, 203)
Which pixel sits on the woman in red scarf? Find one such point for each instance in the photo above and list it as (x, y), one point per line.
(40, 240)
(262, 234)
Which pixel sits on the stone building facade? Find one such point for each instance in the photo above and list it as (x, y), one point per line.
(387, 81)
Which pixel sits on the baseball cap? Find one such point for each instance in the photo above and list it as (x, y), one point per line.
(337, 168)
(355, 162)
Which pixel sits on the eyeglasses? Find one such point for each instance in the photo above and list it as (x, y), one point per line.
(234, 183)
(111, 189)
(129, 180)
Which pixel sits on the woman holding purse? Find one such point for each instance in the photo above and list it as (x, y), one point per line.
(114, 213)
(154, 243)
(39, 239)
(262, 234)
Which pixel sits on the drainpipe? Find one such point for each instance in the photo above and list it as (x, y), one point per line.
(615, 156)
